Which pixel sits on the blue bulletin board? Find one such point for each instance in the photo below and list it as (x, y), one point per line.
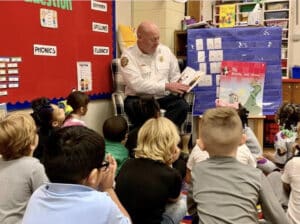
(235, 44)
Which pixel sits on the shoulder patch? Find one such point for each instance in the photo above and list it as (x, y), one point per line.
(124, 61)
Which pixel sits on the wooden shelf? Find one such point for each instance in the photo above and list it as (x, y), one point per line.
(180, 44)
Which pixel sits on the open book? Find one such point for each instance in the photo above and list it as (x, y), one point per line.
(190, 77)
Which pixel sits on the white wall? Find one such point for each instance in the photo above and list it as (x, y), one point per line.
(167, 14)
(124, 12)
(98, 111)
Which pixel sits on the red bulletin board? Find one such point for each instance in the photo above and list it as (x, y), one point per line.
(54, 76)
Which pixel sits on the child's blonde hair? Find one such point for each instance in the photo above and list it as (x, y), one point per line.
(221, 129)
(157, 140)
(17, 134)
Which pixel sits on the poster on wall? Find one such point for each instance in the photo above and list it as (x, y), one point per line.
(48, 18)
(50, 37)
(84, 76)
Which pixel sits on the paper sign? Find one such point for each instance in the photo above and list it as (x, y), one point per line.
(218, 43)
(219, 55)
(12, 65)
(13, 79)
(4, 59)
(84, 76)
(100, 27)
(48, 18)
(210, 43)
(44, 50)
(13, 71)
(16, 59)
(205, 80)
(202, 67)
(13, 85)
(201, 56)
(2, 78)
(3, 86)
(100, 50)
(98, 5)
(215, 67)
(3, 93)
(199, 44)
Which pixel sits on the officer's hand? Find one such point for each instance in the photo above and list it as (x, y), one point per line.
(176, 87)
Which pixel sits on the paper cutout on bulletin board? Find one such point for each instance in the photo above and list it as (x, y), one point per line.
(49, 55)
(84, 76)
(48, 18)
(227, 16)
(243, 82)
(261, 44)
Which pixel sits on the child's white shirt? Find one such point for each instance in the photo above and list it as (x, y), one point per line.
(243, 155)
(197, 155)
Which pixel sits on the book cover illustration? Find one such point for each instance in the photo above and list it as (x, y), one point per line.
(243, 82)
(227, 15)
(190, 77)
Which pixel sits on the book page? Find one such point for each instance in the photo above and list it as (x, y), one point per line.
(190, 77)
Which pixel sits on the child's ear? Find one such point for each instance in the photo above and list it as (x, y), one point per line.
(55, 124)
(82, 110)
(93, 178)
(200, 143)
(35, 143)
(243, 139)
(125, 139)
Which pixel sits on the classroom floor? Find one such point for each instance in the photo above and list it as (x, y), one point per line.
(268, 149)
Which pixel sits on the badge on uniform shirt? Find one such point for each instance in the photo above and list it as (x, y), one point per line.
(161, 58)
(124, 61)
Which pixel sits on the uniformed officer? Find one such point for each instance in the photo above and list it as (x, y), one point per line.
(150, 68)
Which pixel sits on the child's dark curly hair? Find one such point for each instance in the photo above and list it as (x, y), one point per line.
(288, 115)
(42, 113)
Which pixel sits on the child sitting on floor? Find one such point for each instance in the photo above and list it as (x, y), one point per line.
(115, 131)
(146, 107)
(79, 102)
(47, 117)
(225, 190)
(75, 165)
(147, 185)
(20, 174)
(287, 117)
(291, 182)
(197, 155)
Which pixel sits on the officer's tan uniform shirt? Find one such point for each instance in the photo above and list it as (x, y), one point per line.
(148, 74)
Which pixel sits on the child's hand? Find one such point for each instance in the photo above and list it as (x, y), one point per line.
(108, 174)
